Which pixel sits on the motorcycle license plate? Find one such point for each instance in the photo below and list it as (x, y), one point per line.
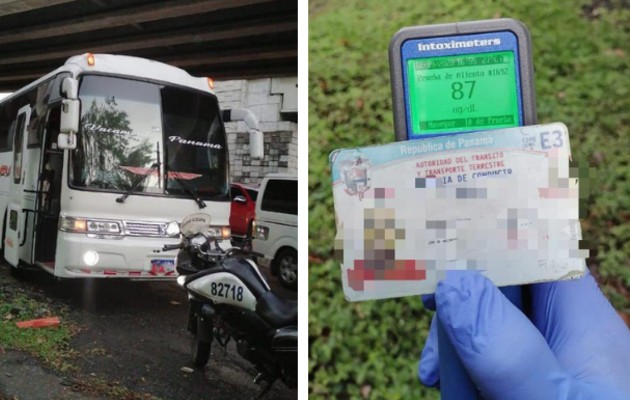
(162, 266)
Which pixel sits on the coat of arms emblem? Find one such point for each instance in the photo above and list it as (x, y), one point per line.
(355, 175)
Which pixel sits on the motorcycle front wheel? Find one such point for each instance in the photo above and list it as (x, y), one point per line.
(200, 347)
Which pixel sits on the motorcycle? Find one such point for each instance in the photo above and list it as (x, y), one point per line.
(230, 300)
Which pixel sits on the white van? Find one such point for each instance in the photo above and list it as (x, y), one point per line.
(275, 227)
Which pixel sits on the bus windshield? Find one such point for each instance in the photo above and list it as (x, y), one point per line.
(154, 138)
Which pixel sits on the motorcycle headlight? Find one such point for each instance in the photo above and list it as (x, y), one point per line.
(198, 240)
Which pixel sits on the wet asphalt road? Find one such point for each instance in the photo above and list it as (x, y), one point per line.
(134, 334)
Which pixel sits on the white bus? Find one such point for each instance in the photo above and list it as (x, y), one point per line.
(99, 157)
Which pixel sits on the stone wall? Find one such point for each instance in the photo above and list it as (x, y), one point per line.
(280, 136)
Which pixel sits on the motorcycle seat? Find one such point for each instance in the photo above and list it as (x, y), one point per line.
(277, 311)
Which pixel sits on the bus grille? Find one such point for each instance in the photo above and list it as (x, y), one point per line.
(144, 229)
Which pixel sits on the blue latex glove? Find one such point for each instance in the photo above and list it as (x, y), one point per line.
(575, 346)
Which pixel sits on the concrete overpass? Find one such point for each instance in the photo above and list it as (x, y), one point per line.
(223, 39)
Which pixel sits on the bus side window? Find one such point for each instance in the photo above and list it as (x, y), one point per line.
(7, 126)
(17, 153)
(10, 136)
(52, 126)
(33, 129)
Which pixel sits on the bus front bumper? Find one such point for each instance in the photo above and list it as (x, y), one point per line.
(79, 256)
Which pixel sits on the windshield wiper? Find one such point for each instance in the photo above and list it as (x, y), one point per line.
(154, 167)
(192, 192)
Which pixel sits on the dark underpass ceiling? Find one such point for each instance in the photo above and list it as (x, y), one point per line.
(223, 39)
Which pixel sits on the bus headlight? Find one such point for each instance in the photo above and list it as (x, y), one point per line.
(172, 229)
(100, 227)
(90, 226)
(90, 258)
(69, 224)
(218, 232)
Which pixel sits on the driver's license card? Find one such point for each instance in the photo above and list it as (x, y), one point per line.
(502, 202)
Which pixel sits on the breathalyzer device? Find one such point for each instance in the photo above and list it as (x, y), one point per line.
(461, 77)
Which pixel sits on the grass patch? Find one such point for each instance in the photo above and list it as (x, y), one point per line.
(49, 344)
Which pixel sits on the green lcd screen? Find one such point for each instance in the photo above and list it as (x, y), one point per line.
(463, 92)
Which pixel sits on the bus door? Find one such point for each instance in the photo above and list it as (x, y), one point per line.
(16, 231)
(49, 191)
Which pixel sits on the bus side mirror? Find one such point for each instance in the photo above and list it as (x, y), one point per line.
(66, 141)
(70, 88)
(256, 144)
(69, 125)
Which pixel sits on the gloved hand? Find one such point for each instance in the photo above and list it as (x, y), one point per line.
(574, 347)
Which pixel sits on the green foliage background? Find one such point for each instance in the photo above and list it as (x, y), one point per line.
(582, 72)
